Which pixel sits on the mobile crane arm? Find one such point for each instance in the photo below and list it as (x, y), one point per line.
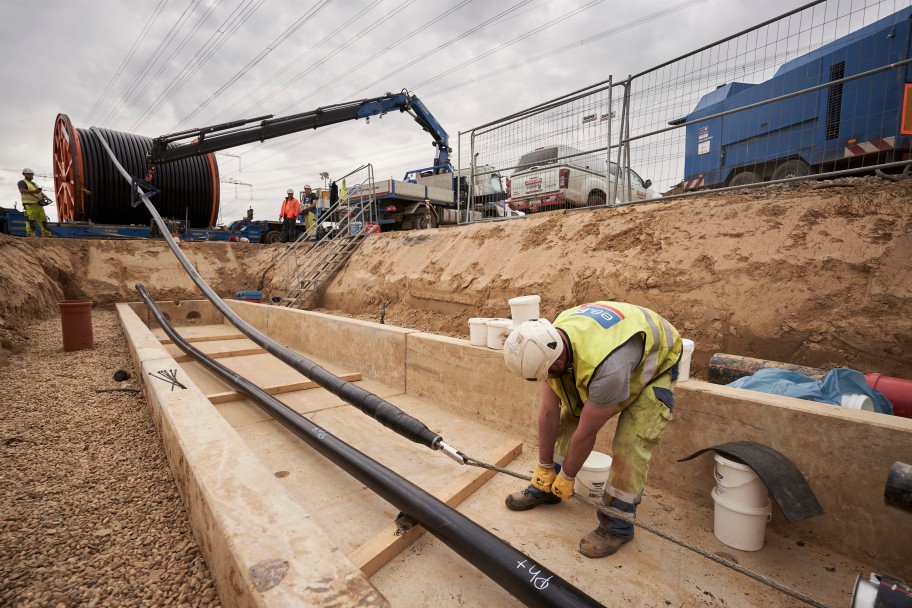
(195, 142)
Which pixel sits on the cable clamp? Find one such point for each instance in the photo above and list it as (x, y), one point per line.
(142, 185)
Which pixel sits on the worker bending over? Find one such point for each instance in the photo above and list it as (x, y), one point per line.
(595, 361)
(289, 216)
(33, 204)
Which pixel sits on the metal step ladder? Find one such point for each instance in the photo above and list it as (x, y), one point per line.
(317, 265)
(311, 261)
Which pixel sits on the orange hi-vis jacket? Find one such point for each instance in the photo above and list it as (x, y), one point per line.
(290, 208)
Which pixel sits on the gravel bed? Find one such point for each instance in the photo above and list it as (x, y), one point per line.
(89, 512)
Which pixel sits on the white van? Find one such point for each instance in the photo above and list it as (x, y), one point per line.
(557, 177)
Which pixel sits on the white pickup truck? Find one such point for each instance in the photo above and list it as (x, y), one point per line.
(558, 177)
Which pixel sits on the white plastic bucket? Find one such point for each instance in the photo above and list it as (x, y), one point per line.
(857, 402)
(355, 228)
(740, 527)
(738, 484)
(478, 331)
(593, 476)
(524, 308)
(865, 593)
(498, 330)
(684, 364)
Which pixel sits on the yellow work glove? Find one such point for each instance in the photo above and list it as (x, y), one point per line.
(562, 487)
(543, 476)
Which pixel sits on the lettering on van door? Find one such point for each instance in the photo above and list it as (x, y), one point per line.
(533, 183)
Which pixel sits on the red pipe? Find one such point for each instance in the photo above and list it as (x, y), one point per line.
(897, 390)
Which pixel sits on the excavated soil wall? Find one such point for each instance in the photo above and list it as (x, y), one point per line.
(817, 275)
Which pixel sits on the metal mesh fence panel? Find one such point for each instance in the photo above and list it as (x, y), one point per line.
(709, 119)
(551, 156)
(823, 90)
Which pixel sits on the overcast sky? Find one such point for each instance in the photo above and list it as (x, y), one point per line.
(159, 66)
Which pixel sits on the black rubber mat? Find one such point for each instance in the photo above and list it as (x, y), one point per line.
(785, 482)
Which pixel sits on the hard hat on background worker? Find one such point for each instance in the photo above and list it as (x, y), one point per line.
(532, 348)
(27, 172)
(291, 191)
(307, 186)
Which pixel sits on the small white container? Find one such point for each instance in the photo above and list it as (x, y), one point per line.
(593, 475)
(739, 485)
(524, 308)
(498, 330)
(857, 402)
(739, 527)
(478, 331)
(684, 364)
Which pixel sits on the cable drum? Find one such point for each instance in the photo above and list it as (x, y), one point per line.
(90, 190)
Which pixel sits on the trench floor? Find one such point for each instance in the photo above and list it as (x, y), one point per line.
(649, 571)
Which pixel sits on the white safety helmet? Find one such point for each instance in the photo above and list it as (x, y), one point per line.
(27, 171)
(532, 348)
(307, 186)
(291, 191)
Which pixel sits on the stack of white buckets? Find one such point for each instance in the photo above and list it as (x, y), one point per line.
(742, 505)
(493, 332)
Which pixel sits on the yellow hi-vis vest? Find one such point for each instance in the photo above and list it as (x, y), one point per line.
(596, 330)
(31, 199)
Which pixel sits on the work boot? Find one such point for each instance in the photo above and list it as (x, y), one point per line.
(601, 543)
(530, 498)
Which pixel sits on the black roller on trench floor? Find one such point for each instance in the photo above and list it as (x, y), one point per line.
(528, 581)
(89, 188)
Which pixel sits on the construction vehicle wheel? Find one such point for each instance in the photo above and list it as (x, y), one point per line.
(792, 168)
(596, 199)
(425, 221)
(272, 236)
(744, 178)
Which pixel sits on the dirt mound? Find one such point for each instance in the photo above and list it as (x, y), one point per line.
(818, 274)
(37, 273)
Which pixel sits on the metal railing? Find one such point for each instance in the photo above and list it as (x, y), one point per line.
(305, 266)
(822, 90)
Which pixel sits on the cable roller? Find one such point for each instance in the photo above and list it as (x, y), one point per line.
(89, 189)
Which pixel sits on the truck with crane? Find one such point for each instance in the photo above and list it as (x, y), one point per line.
(407, 207)
(859, 121)
(425, 198)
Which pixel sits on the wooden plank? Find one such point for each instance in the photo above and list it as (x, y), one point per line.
(222, 354)
(209, 338)
(382, 548)
(277, 389)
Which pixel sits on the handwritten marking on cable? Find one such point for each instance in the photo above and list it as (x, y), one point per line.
(540, 582)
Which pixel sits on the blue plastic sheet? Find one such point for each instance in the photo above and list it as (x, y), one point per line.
(830, 389)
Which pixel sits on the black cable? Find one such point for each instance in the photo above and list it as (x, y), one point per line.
(517, 573)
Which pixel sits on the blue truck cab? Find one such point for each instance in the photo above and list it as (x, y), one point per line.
(858, 123)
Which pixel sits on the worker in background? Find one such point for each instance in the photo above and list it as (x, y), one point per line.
(308, 208)
(291, 208)
(248, 219)
(33, 202)
(596, 361)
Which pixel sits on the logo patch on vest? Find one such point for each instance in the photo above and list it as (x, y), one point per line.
(605, 316)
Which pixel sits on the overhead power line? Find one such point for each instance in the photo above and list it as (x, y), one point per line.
(568, 47)
(488, 22)
(330, 36)
(142, 35)
(136, 87)
(289, 31)
(235, 21)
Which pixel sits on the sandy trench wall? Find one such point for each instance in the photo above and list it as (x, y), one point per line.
(35, 274)
(816, 277)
